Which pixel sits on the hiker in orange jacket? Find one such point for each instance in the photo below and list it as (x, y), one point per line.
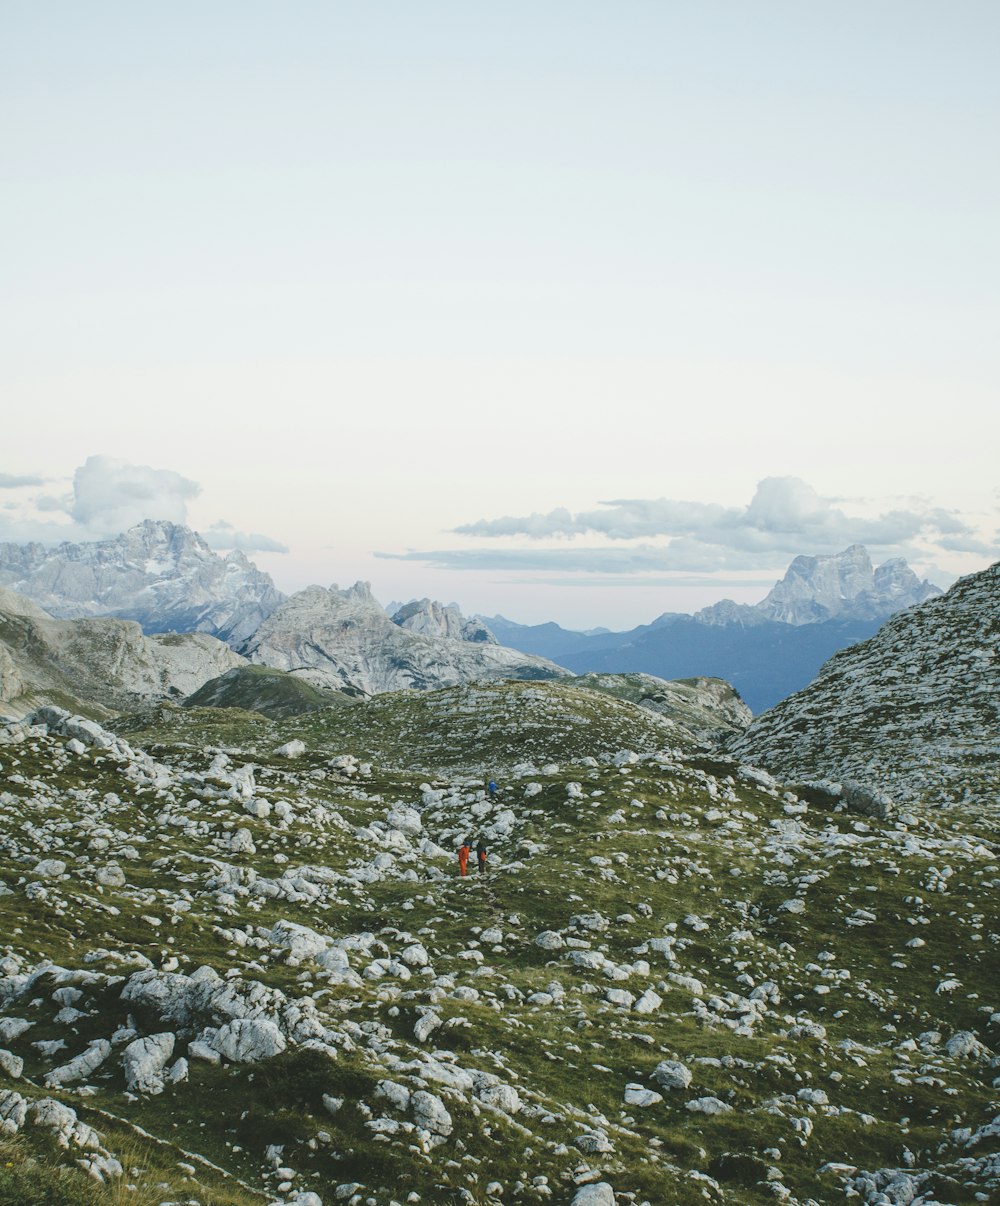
(463, 856)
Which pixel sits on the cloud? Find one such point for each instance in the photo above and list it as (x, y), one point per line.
(110, 496)
(223, 535)
(785, 515)
(784, 518)
(13, 481)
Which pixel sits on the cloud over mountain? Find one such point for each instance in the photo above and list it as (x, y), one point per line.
(223, 536)
(108, 496)
(784, 516)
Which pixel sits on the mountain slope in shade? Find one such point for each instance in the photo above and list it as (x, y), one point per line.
(766, 650)
(344, 640)
(160, 574)
(915, 710)
(764, 661)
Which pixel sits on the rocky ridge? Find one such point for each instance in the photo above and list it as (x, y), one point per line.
(440, 620)
(160, 574)
(256, 970)
(342, 639)
(102, 665)
(915, 709)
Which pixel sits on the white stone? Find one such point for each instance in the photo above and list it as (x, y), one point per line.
(247, 1040)
(649, 1002)
(598, 1194)
(291, 749)
(80, 1067)
(638, 1095)
(708, 1105)
(550, 940)
(430, 1113)
(144, 1061)
(50, 868)
(670, 1074)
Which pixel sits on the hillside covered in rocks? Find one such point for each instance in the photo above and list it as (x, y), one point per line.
(239, 965)
(914, 710)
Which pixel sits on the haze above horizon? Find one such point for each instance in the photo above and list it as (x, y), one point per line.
(560, 312)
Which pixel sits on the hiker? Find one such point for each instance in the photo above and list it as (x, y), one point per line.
(481, 856)
(491, 787)
(463, 856)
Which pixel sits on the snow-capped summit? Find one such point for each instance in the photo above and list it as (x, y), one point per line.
(159, 573)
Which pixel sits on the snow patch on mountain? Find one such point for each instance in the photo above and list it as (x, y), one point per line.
(160, 574)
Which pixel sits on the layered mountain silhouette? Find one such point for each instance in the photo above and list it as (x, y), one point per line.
(766, 650)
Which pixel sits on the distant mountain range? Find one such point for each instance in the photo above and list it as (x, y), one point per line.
(160, 574)
(766, 650)
(167, 579)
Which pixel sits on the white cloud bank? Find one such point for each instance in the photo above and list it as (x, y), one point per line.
(107, 497)
(785, 517)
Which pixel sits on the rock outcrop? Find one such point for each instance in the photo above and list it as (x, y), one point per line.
(102, 664)
(706, 708)
(343, 639)
(912, 711)
(438, 620)
(160, 574)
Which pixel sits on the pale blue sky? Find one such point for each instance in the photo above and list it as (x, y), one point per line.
(370, 272)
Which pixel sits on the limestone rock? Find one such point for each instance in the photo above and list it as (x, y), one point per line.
(144, 1061)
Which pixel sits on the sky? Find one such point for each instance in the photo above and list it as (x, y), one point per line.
(561, 310)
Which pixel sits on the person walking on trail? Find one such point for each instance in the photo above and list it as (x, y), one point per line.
(463, 856)
(491, 787)
(481, 856)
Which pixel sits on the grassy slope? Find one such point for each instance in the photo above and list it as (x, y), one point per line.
(678, 839)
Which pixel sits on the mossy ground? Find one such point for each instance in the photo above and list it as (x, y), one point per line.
(685, 847)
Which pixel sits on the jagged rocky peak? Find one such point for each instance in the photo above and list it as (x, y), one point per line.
(912, 711)
(843, 585)
(160, 574)
(726, 611)
(344, 640)
(431, 618)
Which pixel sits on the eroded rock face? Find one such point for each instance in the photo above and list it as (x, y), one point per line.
(342, 639)
(845, 584)
(107, 663)
(437, 620)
